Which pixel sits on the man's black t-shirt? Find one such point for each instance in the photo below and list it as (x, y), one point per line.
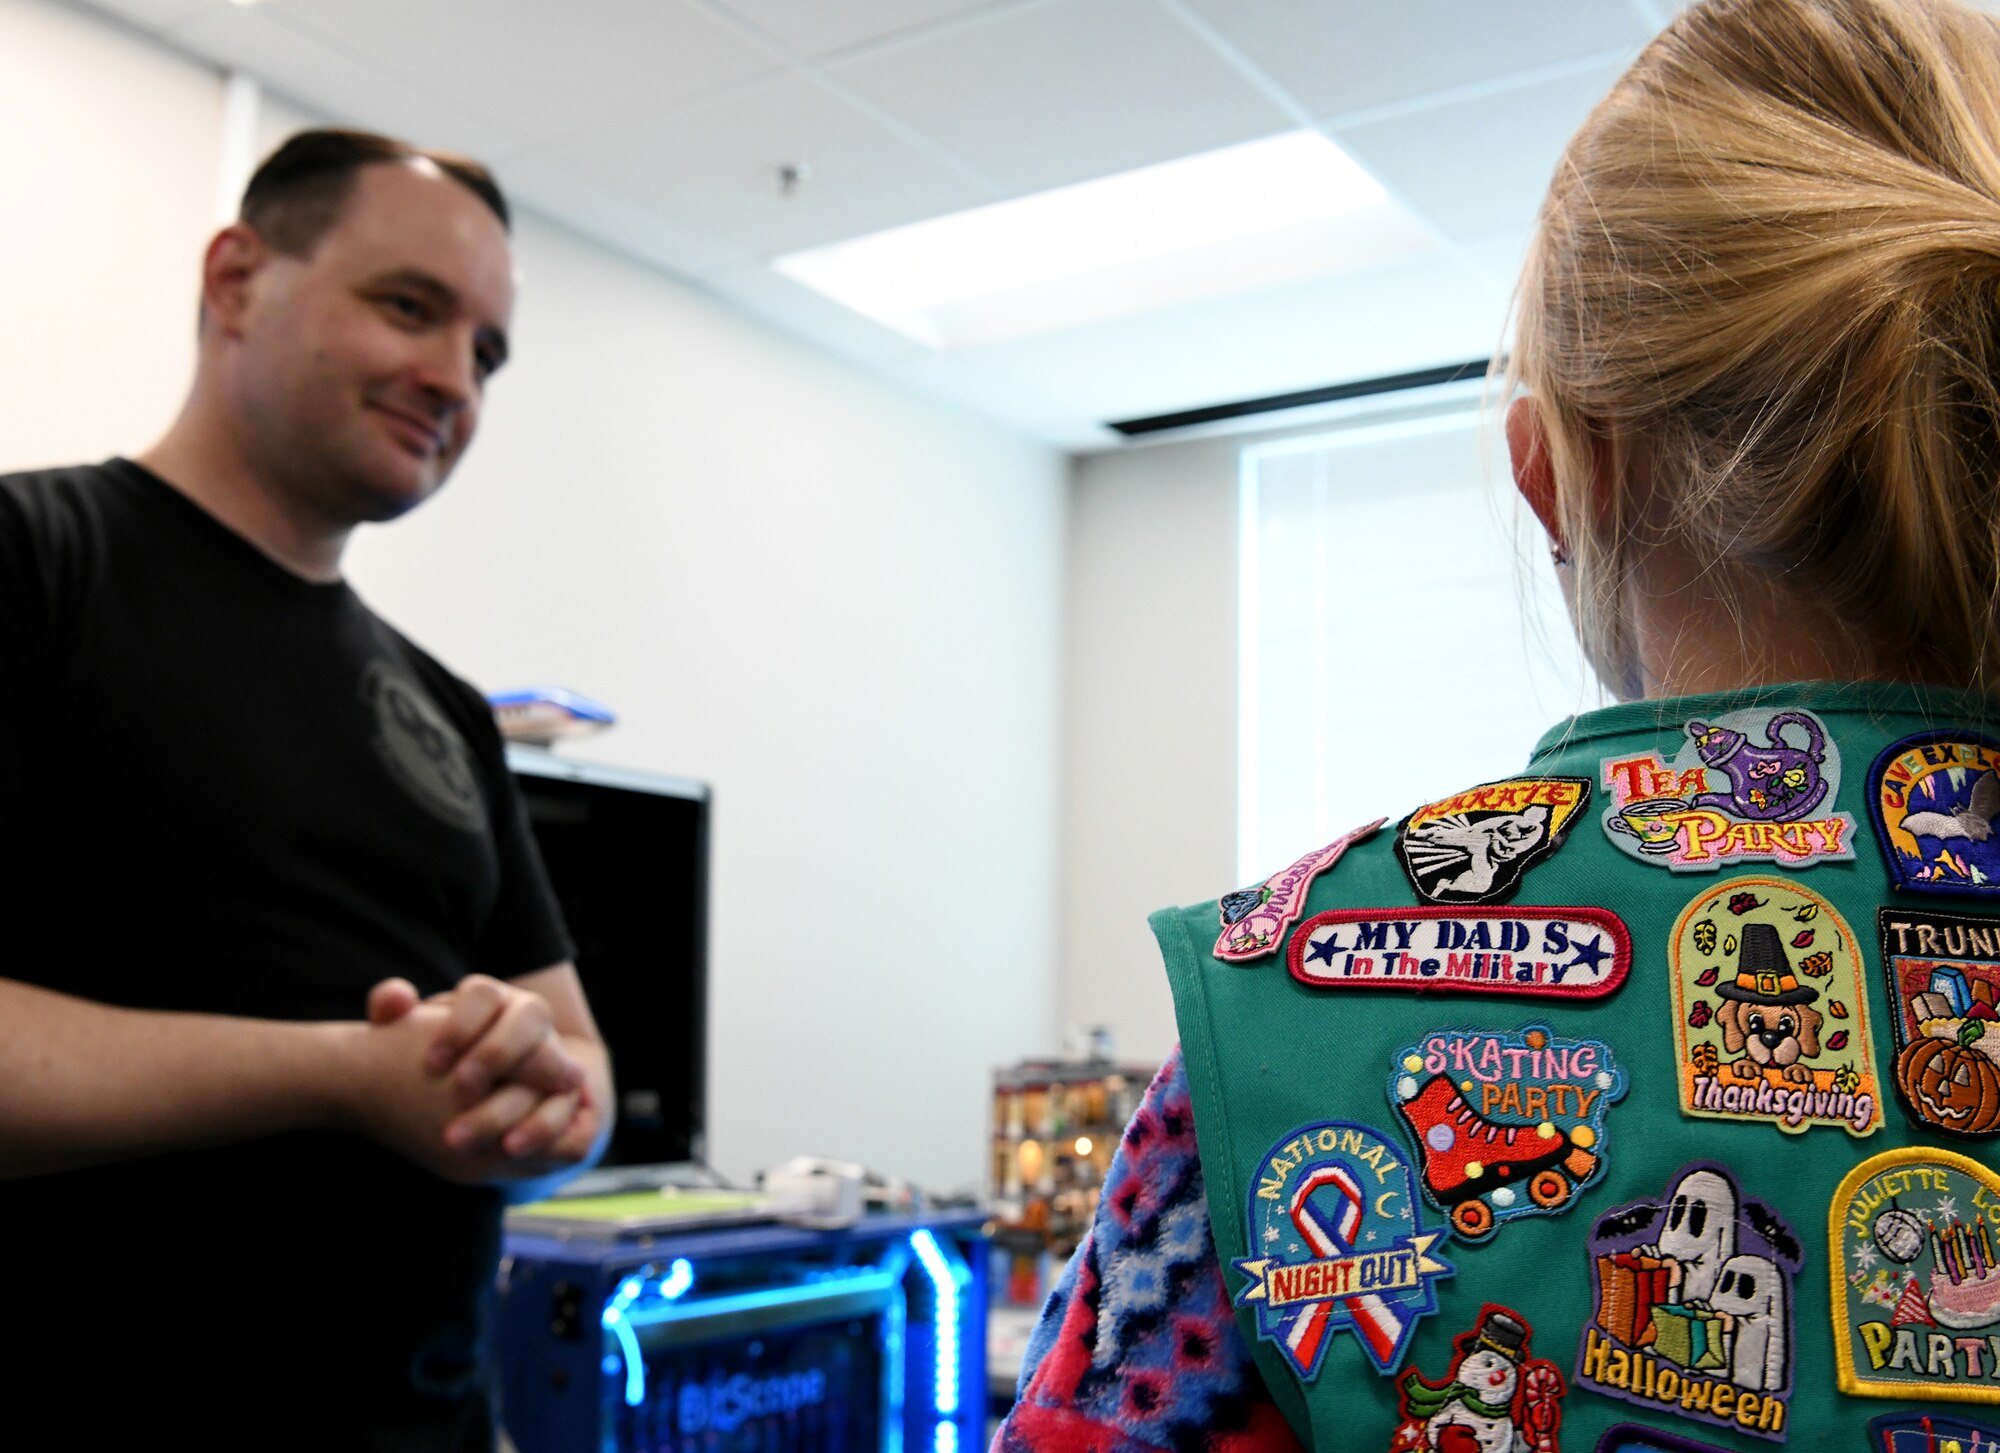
(225, 789)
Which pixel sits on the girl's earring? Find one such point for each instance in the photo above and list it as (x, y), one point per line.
(1559, 553)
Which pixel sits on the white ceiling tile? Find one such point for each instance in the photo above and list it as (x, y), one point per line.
(821, 27)
(1477, 168)
(717, 165)
(1341, 56)
(1501, 258)
(1062, 92)
(559, 195)
(804, 314)
(154, 14)
(537, 70)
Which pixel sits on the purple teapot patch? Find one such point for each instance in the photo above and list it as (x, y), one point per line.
(1775, 782)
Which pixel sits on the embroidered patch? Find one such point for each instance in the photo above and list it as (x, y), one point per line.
(1254, 920)
(1916, 1287)
(1944, 993)
(1771, 1010)
(1506, 1124)
(1473, 846)
(1496, 1394)
(1931, 1433)
(1933, 798)
(1336, 1218)
(1576, 953)
(1692, 1306)
(1631, 1438)
(1748, 786)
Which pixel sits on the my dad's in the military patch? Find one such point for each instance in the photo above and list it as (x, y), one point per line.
(1944, 998)
(1473, 846)
(1563, 953)
(1933, 798)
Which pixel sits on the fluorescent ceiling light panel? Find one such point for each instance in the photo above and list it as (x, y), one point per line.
(1278, 210)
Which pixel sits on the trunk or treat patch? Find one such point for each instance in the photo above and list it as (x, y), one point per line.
(1771, 1010)
(1506, 1123)
(1337, 1231)
(1473, 846)
(1916, 1286)
(1944, 993)
(1931, 1433)
(1692, 1305)
(1496, 1395)
(1933, 798)
(1746, 786)
(1254, 920)
(1573, 953)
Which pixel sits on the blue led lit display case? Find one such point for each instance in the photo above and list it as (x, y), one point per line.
(762, 1338)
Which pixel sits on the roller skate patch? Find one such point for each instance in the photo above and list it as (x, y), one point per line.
(1747, 786)
(1916, 1282)
(1931, 1433)
(1337, 1223)
(1496, 1395)
(1933, 798)
(1692, 1306)
(1771, 1010)
(1564, 953)
(1944, 999)
(1473, 846)
(1254, 920)
(1506, 1124)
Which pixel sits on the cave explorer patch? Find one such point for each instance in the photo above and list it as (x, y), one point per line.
(1338, 1242)
(1573, 953)
(1944, 998)
(1473, 846)
(1254, 920)
(1933, 798)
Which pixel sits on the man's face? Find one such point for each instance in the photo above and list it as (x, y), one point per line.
(363, 366)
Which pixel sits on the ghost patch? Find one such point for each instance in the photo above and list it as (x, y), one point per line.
(1473, 846)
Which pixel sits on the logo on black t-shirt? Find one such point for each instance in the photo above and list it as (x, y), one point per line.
(423, 751)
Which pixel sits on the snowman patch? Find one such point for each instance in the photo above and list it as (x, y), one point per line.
(1497, 1396)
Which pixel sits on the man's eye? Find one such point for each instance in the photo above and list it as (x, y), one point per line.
(405, 306)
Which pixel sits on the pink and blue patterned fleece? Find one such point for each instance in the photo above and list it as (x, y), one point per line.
(1137, 1349)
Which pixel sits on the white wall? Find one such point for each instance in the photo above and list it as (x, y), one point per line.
(837, 604)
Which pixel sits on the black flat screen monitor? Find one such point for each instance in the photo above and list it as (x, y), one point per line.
(628, 855)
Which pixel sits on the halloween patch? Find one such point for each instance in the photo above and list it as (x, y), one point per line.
(1692, 1306)
(1254, 920)
(1506, 1123)
(1771, 1010)
(1339, 1243)
(1473, 846)
(1933, 798)
(1944, 994)
(1632, 1438)
(1916, 1285)
(1745, 787)
(1574, 953)
(1914, 1432)
(1497, 1394)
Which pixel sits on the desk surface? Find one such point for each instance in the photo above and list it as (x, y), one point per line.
(755, 1239)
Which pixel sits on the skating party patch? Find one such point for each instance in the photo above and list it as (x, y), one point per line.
(1748, 786)
(1631, 1438)
(1771, 1010)
(1497, 1394)
(1692, 1306)
(1506, 1123)
(1931, 1433)
(1916, 1286)
(1944, 992)
(1572, 953)
(1933, 798)
(1254, 920)
(1337, 1225)
(1473, 846)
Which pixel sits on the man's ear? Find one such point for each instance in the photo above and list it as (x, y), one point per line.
(1534, 475)
(234, 257)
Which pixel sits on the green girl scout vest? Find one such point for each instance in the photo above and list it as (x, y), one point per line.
(1648, 1099)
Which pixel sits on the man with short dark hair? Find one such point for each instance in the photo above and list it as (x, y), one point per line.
(288, 1007)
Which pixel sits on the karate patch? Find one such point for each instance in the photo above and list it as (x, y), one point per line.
(1337, 1220)
(1632, 1438)
(1573, 953)
(1473, 846)
(1254, 920)
(1692, 1306)
(1496, 1394)
(1771, 1010)
(1729, 798)
(1944, 995)
(1933, 798)
(1916, 1286)
(1506, 1124)
(1931, 1433)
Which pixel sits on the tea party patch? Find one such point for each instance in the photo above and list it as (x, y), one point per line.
(1916, 1286)
(1254, 920)
(1506, 1123)
(1771, 1010)
(1564, 953)
(1692, 1305)
(1944, 995)
(1473, 846)
(1746, 786)
(1933, 798)
(1340, 1245)
(1914, 1432)
(1496, 1394)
